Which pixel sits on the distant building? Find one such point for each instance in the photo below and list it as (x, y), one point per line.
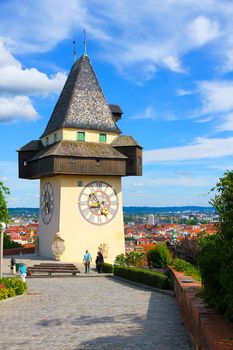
(151, 219)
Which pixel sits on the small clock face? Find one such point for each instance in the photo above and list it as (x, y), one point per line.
(98, 202)
(47, 203)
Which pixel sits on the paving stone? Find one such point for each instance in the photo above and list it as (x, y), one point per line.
(90, 313)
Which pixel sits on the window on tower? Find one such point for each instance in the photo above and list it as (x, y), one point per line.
(55, 137)
(80, 136)
(102, 138)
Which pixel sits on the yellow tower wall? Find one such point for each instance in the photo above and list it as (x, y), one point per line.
(71, 135)
(47, 232)
(78, 234)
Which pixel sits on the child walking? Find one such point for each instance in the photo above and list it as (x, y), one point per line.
(23, 271)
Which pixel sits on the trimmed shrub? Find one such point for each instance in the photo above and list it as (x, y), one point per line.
(6, 293)
(135, 259)
(3, 293)
(143, 276)
(130, 259)
(184, 266)
(15, 283)
(159, 256)
(108, 268)
(11, 292)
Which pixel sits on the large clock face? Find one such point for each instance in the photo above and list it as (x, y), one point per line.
(98, 202)
(47, 203)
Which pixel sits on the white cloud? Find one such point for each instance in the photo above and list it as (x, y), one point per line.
(203, 148)
(12, 108)
(17, 83)
(227, 123)
(149, 36)
(148, 113)
(173, 63)
(168, 188)
(6, 57)
(202, 30)
(186, 181)
(183, 92)
(29, 81)
(41, 25)
(216, 96)
(16, 80)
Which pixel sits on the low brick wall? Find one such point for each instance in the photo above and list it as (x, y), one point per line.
(16, 251)
(207, 329)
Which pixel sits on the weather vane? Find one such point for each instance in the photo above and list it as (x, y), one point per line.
(75, 56)
(85, 43)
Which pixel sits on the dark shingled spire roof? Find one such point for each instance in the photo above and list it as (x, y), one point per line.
(82, 104)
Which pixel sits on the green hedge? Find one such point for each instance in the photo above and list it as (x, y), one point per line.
(159, 256)
(184, 266)
(14, 286)
(150, 278)
(108, 268)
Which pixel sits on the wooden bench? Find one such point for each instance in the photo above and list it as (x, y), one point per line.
(53, 268)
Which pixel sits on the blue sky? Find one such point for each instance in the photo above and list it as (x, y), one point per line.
(167, 64)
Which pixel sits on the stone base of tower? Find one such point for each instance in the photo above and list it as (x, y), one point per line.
(78, 234)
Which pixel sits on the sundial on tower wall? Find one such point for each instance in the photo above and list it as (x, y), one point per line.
(80, 159)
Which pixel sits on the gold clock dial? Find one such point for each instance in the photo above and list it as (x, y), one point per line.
(98, 202)
(47, 203)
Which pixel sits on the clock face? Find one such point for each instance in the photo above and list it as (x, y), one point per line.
(98, 202)
(47, 203)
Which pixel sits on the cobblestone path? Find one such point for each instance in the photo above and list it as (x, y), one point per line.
(90, 313)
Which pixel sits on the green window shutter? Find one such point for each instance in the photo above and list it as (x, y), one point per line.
(102, 138)
(80, 136)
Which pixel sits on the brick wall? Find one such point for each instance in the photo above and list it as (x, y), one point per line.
(16, 251)
(207, 329)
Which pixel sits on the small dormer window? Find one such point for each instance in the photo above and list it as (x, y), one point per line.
(47, 141)
(102, 138)
(55, 137)
(80, 136)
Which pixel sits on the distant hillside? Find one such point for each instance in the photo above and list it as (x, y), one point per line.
(127, 210)
(23, 212)
(160, 210)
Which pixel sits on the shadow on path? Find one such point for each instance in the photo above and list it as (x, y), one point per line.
(161, 329)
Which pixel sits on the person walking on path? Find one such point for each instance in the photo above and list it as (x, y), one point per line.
(23, 271)
(87, 260)
(99, 261)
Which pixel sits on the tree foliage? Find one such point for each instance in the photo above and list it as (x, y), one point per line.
(215, 257)
(186, 249)
(8, 244)
(4, 191)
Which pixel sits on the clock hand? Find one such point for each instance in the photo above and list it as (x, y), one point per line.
(92, 194)
(104, 210)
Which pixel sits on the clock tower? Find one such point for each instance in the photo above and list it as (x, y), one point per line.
(80, 159)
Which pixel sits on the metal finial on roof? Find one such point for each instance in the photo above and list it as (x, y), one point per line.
(85, 42)
(75, 56)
